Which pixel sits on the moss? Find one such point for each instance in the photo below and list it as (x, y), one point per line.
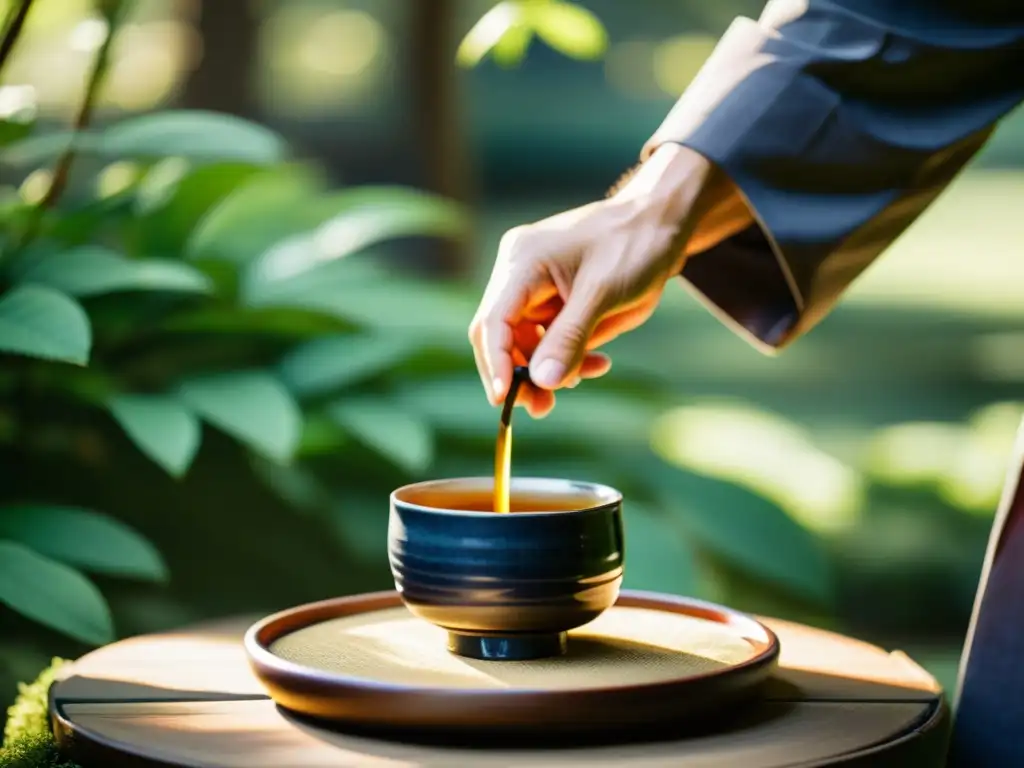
(33, 751)
(28, 742)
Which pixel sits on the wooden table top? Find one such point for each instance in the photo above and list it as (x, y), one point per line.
(189, 699)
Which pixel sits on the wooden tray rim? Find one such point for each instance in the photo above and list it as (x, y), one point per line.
(261, 635)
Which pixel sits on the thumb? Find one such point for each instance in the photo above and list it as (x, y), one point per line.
(564, 344)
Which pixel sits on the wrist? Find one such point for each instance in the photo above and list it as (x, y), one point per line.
(692, 194)
(670, 183)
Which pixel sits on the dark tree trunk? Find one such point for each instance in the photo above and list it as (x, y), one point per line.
(436, 117)
(224, 78)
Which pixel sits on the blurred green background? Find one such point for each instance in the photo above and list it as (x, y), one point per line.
(243, 323)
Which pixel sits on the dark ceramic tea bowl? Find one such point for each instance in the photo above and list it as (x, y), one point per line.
(506, 586)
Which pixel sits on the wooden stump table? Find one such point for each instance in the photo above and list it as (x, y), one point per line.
(189, 699)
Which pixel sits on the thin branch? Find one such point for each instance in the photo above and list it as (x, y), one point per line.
(12, 30)
(62, 171)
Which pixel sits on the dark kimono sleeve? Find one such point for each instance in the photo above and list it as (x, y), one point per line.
(839, 122)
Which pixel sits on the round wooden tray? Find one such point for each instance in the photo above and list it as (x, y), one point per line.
(189, 699)
(367, 661)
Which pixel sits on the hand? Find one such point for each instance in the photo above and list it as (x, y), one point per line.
(565, 286)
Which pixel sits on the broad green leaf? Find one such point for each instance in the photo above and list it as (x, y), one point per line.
(170, 205)
(750, 532)
(83, 539)
(53, 594)
(511, 49)
(158, 183)
(266, 210)
(329, 363)
(492, 27)
(12, 131)
(657, 558)
(38, 150)
(92, 270)
(435, 313)
(401, 437)
(195, 134)
(570, 29)
(162, 428)
(320, 435)
(283, 322)
(203, 136)
(348, 222)
(251, 406)
(41, 322)
(19, 113)
(16, 214)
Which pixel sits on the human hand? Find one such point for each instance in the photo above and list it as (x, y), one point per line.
(563, 287)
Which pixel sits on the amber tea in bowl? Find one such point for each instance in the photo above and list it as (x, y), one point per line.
(506, 585)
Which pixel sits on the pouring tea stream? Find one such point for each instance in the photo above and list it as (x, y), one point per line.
(503, 447)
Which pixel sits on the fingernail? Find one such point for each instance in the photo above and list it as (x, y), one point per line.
(497, 387)
(575, 383)
(548, 374)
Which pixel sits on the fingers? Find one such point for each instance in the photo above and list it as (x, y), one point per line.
(595, 365)
(615, 324)
(526, 336)
(492, 351)
(532, 315)
(492, 331)
(562, 348)
(539, 402)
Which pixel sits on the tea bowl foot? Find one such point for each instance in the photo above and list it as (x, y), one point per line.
(508, 647)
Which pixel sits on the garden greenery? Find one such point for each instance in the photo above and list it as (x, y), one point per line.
(179, 272)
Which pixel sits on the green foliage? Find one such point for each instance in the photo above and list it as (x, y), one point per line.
(36, 751)
(505, 32)
(83, 539)
(28, 716)
(261, 212)
(571, 29)
(251, 406)
(53, 594)
(143, 290)
(344, 223)
(224, 284)
(403, 437)
(41, 322)
(747, 530)
(28, 742)
(667, 562)
(91, 270)
(332, 362)
(163, 428)
(194, 135)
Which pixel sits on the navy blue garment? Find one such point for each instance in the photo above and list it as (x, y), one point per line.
(839, 122)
